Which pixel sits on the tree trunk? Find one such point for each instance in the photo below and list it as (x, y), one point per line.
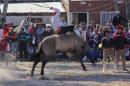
(5, 11)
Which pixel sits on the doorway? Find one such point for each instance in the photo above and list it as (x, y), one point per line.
(79, 17)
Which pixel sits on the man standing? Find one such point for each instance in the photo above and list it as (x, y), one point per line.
(119, 39)
(23, 39)
(119, 20)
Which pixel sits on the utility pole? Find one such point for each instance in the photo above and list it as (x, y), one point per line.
(4, 11)
(127, 14)
(126, 3)
(116, 5)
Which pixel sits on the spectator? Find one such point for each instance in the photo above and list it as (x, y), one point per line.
(76, 30)
(39, 33)
(12, 38)
(6, 30)
(108, 51)
(119, 20)
(23, 39)
(119, 38)
(48, 31)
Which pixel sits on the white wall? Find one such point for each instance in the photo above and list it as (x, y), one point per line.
(16, 20)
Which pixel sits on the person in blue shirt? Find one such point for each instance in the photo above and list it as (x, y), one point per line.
(23, 39)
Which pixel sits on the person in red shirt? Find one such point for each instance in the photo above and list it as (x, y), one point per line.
(119, 40)
(6, 30)
(3, 45)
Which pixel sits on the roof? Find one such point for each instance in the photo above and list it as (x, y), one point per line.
(33, 7)
(17, 1)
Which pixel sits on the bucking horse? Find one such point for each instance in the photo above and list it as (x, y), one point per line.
(69, 42)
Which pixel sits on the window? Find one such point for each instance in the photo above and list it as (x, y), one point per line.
(79, 17)
(105, 17)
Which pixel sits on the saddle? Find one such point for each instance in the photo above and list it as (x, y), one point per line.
(65, 29)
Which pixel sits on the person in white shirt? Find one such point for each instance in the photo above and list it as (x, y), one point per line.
(56, 22)
(76, 30)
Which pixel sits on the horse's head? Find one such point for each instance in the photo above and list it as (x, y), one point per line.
(84, 44)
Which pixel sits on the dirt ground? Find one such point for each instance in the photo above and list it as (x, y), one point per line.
(62, 74)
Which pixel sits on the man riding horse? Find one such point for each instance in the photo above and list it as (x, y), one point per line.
(57, 24)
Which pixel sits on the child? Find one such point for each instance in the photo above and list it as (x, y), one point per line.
(108, 51)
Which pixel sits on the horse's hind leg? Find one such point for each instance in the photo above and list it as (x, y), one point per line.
(82, 64)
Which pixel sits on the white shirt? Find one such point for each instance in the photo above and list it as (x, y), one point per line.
(56, 19)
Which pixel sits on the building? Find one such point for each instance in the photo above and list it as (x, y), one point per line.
(75, 11)
(24, 1)
(39, 11)
(98, 11)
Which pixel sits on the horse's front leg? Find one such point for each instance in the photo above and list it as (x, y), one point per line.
(34, 66)
(43, 66)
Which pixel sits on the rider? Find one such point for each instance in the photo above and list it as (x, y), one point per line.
(56, 22)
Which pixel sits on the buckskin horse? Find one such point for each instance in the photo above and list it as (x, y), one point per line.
(65, 43)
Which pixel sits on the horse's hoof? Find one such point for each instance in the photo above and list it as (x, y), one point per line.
(43, 78)
(84, 69)
(31, 75)
(41, 74)
(125, 70)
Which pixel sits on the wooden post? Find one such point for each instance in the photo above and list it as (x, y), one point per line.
(116, 5)
(4, 11)
(126, 3)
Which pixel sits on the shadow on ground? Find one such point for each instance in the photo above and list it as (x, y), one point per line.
(72, 80)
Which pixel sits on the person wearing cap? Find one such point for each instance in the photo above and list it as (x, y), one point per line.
(107, 43)
(119, 41)
(48, 31)
(56, 21)
(119, 20)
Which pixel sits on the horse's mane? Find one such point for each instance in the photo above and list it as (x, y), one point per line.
(67, 29)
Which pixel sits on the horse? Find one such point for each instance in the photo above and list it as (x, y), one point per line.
(58, 42)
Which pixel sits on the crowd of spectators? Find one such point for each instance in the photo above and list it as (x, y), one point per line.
(24, 39)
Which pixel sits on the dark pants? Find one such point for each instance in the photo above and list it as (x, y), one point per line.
(90, 57)
(23, 50)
